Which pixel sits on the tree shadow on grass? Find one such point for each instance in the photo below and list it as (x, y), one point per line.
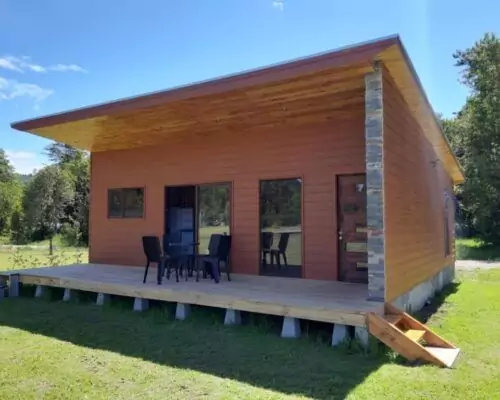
(250, 353)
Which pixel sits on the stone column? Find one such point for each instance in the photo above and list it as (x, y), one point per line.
(374, 139)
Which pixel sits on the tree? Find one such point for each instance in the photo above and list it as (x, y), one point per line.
(11, 193)
(60, 153)
(46, 198)
(6, 169)
(475, 137)
(76, 164)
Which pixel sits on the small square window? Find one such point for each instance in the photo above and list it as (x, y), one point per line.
(126, 203)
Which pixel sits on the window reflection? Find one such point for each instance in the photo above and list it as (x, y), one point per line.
(214, 205)
(281, 227)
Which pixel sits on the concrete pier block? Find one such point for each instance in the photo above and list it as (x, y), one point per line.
(291, 328)
(141, 304)
(232, 317)
(102, 299)
(68, 294)
(362, 336)
(339, 334)
(14, 285)
(182, 311)
(39, 291)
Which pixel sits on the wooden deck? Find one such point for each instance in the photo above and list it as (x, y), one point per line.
(326, 301)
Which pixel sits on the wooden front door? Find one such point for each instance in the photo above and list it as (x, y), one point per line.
(352, 234)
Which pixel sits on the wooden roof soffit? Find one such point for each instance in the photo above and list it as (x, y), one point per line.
(275, 93)
(395, 59)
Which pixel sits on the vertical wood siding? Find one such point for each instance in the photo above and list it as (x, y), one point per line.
(414, 199)
(315, 154)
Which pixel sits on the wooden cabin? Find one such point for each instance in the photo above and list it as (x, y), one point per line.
(331, 168)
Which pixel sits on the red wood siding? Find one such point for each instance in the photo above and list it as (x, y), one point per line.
(315, 154)
(414, 199)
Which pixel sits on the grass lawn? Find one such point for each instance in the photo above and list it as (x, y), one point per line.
(40, 257)
(55, 350)
(474, 249)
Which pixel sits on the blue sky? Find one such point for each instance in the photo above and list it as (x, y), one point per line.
(57, 54)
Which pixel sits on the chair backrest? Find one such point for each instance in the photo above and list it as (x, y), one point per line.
(187, 238)
(283, 243)
(266, 240)
(213, 244)
(173, 250)
(152, 248)
(224, 247)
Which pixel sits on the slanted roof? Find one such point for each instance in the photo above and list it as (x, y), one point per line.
(324, 87)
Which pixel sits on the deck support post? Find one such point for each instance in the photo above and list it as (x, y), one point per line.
(291, 328)
(232, 317)
(102, 299)
(68, 294)
(362, 336)
(3, 288)
(374, 160)
(339, 334)
(39, 291)
(182, 311)
(14, 285)
(141, 304)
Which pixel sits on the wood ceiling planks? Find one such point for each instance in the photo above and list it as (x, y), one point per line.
(299, 101)
(304, 91)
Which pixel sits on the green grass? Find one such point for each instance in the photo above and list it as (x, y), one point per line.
(54, 350)
(40, 257)
(474, 249)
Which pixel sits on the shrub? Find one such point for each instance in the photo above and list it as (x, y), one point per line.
(70, 235)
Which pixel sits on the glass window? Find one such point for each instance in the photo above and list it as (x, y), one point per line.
(214, 212)
(126, 203)
(281, 227)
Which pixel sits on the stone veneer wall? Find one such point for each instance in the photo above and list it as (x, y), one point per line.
(374, 136)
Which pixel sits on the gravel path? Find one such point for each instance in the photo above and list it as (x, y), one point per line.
(468, 265)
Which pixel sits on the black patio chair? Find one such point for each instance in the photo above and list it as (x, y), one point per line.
(218, 250)
(281, 250)
(174, 254)
(266, 242)
(224, 255)
(152, 250)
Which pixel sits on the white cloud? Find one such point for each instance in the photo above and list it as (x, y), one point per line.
(24, 63)
(24, 162)
(11, 89)
(5, 63)
(67, 67)
(279, 4)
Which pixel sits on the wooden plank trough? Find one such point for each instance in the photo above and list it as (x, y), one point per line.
(326, 301)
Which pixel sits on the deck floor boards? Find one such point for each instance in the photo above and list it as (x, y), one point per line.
(326, 301)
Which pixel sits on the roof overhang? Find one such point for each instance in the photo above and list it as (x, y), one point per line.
(328, 86)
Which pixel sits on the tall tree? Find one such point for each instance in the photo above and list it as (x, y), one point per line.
(6, 168)
(46, 198)
(60, 153)
(475, 136)
(76, 164)
(10, 193)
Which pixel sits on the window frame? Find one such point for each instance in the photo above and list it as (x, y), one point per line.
(122, 191)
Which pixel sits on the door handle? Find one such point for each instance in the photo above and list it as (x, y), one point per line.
(341, 235)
